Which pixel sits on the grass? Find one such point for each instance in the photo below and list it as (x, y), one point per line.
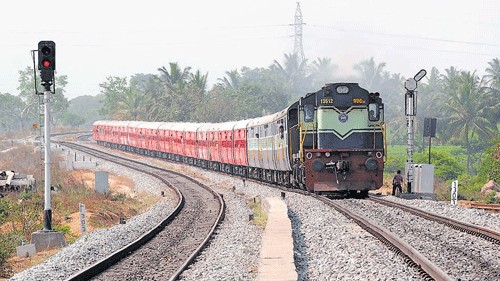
(259, 214)
(74, 187)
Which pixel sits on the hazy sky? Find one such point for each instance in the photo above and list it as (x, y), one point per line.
(96, 39)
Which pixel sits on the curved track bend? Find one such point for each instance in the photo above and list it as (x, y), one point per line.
(166, 250)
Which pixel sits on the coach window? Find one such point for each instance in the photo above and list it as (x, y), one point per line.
(373, 112)
(282, 130)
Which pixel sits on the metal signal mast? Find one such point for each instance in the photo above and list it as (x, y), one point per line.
(298, 48)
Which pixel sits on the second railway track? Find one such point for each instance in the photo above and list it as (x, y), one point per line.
(445, 249)
(165, 251)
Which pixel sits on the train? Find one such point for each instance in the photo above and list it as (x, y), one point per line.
(330, 142)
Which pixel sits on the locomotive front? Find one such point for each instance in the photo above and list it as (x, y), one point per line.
(342, 140)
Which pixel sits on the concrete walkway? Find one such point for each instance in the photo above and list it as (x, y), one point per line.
(276, 254)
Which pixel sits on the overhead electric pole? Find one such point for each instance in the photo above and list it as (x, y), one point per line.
(298, 48)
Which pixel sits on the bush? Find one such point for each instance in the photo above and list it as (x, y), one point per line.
(9, 242)
(446, 166)
(66, 230)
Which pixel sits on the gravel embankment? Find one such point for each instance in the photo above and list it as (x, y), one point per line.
(327, 245)
(473, 216)
(101, 242)
(460, 255)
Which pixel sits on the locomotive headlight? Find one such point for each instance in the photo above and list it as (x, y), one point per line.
(327, 154)
(371, 164)
(318, 165)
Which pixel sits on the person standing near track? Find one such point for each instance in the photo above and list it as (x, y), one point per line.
(397, 181)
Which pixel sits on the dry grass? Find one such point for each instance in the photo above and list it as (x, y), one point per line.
(259, 214)
(75, 187)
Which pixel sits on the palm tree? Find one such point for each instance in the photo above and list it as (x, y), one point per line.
(493, 75)
(371, 74)
(130, 106)
(493, 86)
(232, 80)
(323, 70)
(199, 81)
(295, 73)
(175, 77)
(465, 105)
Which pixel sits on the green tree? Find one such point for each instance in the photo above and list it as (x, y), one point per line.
(492, 78)
(123, 101)
(33, 102)
(371, 74)
(73, 120)
(174, 78)
(199, 81)
(464, 104)
(88, 107)
(231, 80)
(323, 71)
(10, 111)
(296, 75)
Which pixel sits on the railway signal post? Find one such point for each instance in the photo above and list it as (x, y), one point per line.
(411, 112)
(47, 238)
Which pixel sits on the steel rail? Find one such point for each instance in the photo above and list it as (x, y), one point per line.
(116, 256)
(428, 269)
(482, 232)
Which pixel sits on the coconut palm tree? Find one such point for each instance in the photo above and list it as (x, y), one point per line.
(199, 81)
(493, 75)
(323, 70)
(493, 86)
(295, 72)
(232, 80)
(174, 78)
(466, 106)
(131, 105)
(371, 74)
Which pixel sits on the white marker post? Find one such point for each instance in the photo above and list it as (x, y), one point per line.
(83, 219)
(454, 193)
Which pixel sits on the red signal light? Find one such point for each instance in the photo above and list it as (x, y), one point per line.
(46, 63)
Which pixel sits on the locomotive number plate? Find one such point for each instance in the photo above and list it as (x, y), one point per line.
(326, 101)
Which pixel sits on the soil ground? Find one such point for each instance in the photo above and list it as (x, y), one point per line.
(127, 208)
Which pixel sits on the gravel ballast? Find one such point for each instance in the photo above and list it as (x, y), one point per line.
(327, 246)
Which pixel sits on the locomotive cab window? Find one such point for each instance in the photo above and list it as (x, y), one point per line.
(308, 113)
(373, 112)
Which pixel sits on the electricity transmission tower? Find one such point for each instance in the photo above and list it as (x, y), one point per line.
(298, 48)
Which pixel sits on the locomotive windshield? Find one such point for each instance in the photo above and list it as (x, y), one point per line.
(373, 112)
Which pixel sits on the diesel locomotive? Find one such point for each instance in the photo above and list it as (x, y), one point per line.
(330, 142)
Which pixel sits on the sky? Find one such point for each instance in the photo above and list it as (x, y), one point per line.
(96, 39)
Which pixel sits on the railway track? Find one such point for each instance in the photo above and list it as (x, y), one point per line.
(477, 205)
(165, 251)
(475, 230)
(441, 248)
(427, 269)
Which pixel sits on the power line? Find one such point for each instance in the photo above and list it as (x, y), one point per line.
(408, 36)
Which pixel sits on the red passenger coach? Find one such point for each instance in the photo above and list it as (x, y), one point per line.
(190, 142)
(240, 159)
(134, 136)
(202, 148)
(164, 133)
(213, 145)
(176, 140)
(151, 137)
(225, 145)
